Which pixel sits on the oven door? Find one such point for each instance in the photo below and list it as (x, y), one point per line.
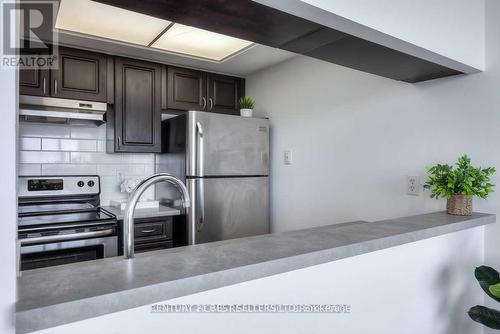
(46, 251)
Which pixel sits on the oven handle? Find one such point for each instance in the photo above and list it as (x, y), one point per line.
(66, 237)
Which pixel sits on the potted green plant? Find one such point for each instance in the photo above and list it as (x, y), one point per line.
(246, 106)
(489, 280)
(459, 184)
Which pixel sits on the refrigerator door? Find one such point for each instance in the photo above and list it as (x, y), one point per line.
(227, 208)
(226, 145)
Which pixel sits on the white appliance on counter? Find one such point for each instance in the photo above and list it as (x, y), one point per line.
(128, 186)
(224, 161)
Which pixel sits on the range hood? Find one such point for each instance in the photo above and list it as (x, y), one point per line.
(51, 109)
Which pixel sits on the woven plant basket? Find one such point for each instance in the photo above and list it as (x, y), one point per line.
(459, 205)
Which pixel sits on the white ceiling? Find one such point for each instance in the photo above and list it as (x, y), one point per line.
(251, 60)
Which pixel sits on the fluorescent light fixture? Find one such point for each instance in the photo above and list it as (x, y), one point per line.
(96, 19)
(199, 43)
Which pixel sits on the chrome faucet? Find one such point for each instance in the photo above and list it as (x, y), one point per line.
(128, 219)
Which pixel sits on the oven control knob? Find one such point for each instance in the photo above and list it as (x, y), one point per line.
(81, 183)
(91, 183)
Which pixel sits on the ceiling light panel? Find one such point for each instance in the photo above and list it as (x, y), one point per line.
(93, 18)
(199, 43)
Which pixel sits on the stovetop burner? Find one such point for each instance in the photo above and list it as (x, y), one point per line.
(87, 217)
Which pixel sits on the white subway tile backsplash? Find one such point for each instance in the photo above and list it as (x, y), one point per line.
(68, 169)
(110, 188)
(29, 169)
(85, 145)
(101, 146)
(89, 132)
(43, 157)
(126, 170)
(137, 158)
(149, 194)
(95, 157)
(78, 148)
(29, 144)
(27, 129)
(149, 169)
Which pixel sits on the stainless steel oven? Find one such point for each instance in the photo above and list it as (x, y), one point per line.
(60, 222)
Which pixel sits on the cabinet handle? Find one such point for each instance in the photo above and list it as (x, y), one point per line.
(148, 231)
(211, 104)
(44, 86)
(55, 86)
(204, 103)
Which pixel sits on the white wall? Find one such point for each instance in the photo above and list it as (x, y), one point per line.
(422, 287)
(8, 198)
(79, 148)
(355, 137)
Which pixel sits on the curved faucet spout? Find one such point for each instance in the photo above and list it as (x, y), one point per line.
(128, 219)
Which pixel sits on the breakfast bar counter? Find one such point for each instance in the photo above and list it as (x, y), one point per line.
(54, 296)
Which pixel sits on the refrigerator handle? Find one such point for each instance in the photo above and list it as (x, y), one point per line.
(200, 221)
(201, 193)
(199, 149)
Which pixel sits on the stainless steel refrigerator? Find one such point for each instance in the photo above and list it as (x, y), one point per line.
(224, 160)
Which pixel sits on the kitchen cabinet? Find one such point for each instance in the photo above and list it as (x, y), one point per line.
(195, 90)
(34, 82)
(81, 75)
(223, 93)
(149, 234)
(136, 119)
(152, 235)
(187, 89)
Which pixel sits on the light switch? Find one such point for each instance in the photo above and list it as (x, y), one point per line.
(287, 157)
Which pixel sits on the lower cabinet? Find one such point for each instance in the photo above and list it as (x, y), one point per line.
(150, 234)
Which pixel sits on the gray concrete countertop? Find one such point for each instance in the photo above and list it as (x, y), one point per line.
(58, 295)
(161, 211)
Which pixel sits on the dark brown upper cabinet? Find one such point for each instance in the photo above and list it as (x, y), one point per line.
(187, 89)
(34, 82)
(195, 90)
(137, 112)
(223, 93)
(81, 75)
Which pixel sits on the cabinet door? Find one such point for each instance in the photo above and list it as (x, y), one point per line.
(224, 93)
(187, 89)
(81, 75)
(137, 106)
(34, 82)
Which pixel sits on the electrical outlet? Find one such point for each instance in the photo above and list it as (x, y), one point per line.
(287, 157)
(413, 185)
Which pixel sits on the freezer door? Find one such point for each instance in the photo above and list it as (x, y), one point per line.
(227, 208)
(226, 145)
